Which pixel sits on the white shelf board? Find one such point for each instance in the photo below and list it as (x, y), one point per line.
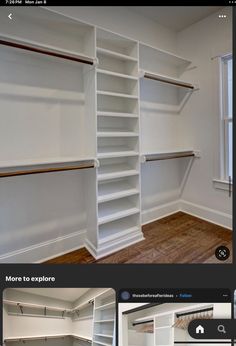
(83, 318)
(164, 327)
(106, 306)
(114, 54)
(110, 233)
(116, 133)
(104, 335)
(114, 94)
(116, 114)
(115, 151)
(115, 190)
(115, 210)
(102, 343)
(50, 48)
(83, 337)
(167, 56)
(115, 171)
(175, 82)
(37, 306)
(50, 336)
(35, 337)
(116, 74)
(112, 320)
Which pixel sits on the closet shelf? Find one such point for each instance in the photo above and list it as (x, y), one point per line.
(106, 306)
(114, 54)
(104, 335)
(45, 337)
(82, 306)
(112, 133)
(15, 42)
(116, 74)
(105, 321)
(115, 210)
(167, 155)
(115, 94)
(122, 228)
(115, 190)
(119, 151)
(115, 171)
(36, 306)
(167, 79)
(116, 114)
(26, 167)
(167, 56)
(102, 343)
(83, 318)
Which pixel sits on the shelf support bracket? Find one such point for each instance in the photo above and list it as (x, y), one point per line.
(21, 308)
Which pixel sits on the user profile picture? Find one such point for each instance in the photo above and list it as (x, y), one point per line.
(125, 295)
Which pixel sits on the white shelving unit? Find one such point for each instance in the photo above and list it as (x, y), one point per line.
(118, 183)
(104, 319)
(163, 330)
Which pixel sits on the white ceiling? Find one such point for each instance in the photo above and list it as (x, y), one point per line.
(176, 18)
(67, 294)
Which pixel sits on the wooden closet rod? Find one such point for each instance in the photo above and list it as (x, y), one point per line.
(168, 80)
(45, 170)
(168, 157)
(81, 59)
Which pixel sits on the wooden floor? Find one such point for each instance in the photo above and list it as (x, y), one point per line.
(178, 238)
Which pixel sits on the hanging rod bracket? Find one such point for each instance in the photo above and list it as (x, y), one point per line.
(95, 62)
(142, 158)
(21, 308)
(96, 163)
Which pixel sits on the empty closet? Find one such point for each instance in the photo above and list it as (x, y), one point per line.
(95, 136)
(71, 317)
(166, 323)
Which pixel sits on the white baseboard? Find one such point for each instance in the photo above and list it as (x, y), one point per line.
(39, 252)
(159, 212)
(114, 246)
(76, 240)
(211, 215)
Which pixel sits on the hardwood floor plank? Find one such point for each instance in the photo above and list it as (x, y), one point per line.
(177, 238)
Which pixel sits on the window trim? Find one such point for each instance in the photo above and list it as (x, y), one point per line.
(224, 121)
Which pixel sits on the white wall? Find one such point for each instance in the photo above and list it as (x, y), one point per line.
(125, 22)
(23, 325)
(15, 326)
(199, 118)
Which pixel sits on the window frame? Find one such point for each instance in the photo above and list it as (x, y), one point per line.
(226, 118)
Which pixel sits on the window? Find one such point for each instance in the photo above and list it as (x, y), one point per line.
(227, 118)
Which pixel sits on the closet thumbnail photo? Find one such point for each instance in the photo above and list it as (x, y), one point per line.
(167, 324)
(120, 150)
(59, 316)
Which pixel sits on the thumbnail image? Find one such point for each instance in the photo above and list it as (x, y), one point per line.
(142, 324)
(60, 316)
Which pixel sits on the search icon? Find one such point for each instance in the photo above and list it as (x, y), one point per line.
(221, 329)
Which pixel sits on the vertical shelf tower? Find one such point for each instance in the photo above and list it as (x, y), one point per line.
(117, 190)
(104, 319)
